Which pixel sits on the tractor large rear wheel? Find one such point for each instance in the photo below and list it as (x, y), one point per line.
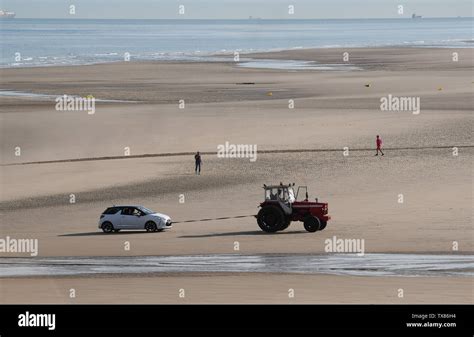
(286, 224)
(270, 219)
(312, 224)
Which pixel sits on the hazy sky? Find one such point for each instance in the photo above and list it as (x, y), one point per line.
(236, 9)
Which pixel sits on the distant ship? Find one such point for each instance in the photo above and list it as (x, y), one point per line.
(7, 15)
(414, 16)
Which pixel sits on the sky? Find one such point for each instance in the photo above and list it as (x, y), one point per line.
(236, 9)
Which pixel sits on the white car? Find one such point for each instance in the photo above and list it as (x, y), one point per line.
(115, 218)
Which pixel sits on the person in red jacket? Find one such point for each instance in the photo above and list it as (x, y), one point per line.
(378, 142)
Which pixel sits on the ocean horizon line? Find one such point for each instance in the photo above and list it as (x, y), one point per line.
(244, 19)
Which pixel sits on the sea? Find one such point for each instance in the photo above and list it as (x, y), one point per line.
(51, 42)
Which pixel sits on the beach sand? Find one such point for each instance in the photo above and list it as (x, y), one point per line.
(243, 288)
(333, 110)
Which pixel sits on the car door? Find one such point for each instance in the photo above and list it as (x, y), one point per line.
(139, 219)
(115, 218)
(127, 219)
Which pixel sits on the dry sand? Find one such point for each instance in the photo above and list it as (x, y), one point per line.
(243, 288)
(333, 109)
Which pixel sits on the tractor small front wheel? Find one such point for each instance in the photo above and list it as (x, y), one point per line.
(312, 224)
(323, 225)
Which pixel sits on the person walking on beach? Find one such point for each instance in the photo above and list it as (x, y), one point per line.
(378, 142)
(197, 159)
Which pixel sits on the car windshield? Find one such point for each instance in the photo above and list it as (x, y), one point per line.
(145, 210)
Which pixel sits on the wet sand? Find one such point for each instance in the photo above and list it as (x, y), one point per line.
(356, 264)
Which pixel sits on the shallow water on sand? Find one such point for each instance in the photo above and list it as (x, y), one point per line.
(292, 65)
(340, 264)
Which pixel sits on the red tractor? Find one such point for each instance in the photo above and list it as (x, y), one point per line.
(282, 206)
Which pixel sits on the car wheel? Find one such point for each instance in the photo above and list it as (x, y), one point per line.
(312, 224)
(150, 226)
(107, 227)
